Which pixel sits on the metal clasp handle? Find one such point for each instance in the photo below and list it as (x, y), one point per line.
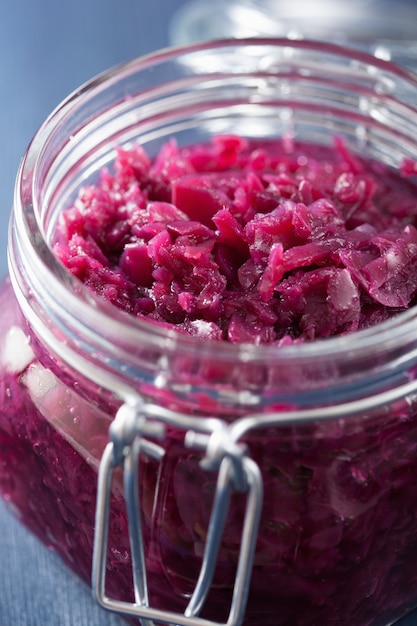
(236, 471)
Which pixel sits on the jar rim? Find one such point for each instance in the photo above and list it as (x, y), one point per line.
(78, 297)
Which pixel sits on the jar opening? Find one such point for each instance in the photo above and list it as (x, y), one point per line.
(244, 87)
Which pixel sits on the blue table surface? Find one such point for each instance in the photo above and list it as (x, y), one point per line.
(47, 49)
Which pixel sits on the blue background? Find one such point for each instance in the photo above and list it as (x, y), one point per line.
(47, 49)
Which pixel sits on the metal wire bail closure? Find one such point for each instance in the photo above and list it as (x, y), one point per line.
(130, 433)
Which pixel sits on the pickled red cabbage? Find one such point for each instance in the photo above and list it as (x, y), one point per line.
(248, 241)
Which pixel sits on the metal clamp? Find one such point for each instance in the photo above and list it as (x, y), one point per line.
(129, 437)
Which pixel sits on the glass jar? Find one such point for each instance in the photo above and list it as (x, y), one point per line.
(201, 482)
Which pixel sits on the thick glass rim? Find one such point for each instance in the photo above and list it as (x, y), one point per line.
(67, 290)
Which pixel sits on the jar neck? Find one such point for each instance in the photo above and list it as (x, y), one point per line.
(125, 355)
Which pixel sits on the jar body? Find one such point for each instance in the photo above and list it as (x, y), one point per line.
(337, 538)
(340, 500)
